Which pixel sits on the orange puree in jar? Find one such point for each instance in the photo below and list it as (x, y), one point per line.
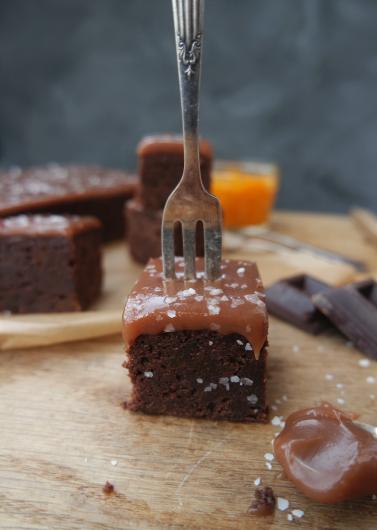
(246, 191)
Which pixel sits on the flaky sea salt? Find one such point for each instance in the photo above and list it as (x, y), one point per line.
(210, 387)
(169, 328)
(341, 401)
(269, 465)
(234, 379)
(170, 299)
(364, 363)
(241, 271)
(148, 374)
(246, 381)
(277, 421)
(199, 298)
(298, 513)
(187, 292)
(114, 462)
(283, 504)
(269, 457)
(215, 291)
(213, 309)
(199, 380)
(210, 342)
(339, 385)
(329, 377)
(370, 380)
(248, 347)
(253, 399)
(239, 342)
(171, 313)
(290, 517)
(258, 481)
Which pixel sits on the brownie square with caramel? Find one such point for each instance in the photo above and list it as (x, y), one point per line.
(198, 348)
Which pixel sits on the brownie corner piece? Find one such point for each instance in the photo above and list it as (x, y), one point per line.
(49, 263)
(198, 350)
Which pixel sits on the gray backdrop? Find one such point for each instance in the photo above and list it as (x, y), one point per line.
(293, 81)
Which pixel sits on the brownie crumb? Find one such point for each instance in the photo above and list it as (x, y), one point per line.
(264, 503)
(108, 488)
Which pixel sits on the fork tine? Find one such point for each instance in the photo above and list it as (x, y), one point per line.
(189, 248)
(212, 245)
(168, 255)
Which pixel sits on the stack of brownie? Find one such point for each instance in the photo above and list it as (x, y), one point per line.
(160, 169)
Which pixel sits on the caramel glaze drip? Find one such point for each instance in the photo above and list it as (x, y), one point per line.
(232, 304)
(327, 456)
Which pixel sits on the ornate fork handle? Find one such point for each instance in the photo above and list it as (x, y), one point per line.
(188, 25)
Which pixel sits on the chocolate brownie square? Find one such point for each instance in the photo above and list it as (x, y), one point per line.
(49, 263)
(198, 349)
(161, 167)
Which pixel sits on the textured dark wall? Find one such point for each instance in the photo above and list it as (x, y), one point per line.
(293, 81)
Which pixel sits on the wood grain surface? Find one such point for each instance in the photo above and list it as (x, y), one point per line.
(64, 432)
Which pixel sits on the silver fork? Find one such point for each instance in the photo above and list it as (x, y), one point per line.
(190, 203)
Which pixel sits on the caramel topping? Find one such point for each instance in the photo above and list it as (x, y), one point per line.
(327, 456)
(232, 304)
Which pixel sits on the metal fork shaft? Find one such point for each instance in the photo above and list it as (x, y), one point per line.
(188, 25)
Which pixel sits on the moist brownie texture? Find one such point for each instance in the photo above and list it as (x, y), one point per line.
(161, 167)
(198, 349)
(143, 231)
(49, 263)
(74, 190)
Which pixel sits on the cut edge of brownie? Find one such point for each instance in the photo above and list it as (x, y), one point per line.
(197, 374)
(55, 270)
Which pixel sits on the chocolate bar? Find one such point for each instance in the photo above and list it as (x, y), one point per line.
(290, 300)
(353, 310)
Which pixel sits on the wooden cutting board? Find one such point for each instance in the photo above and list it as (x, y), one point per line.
(64, 433)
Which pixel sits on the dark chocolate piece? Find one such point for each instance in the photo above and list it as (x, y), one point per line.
(49, 263)
(143, 233)
(161, 167)
(264, 503)
(353, 310)
(198, 349)
(290, 300)
(327, 456)
(75, 190)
